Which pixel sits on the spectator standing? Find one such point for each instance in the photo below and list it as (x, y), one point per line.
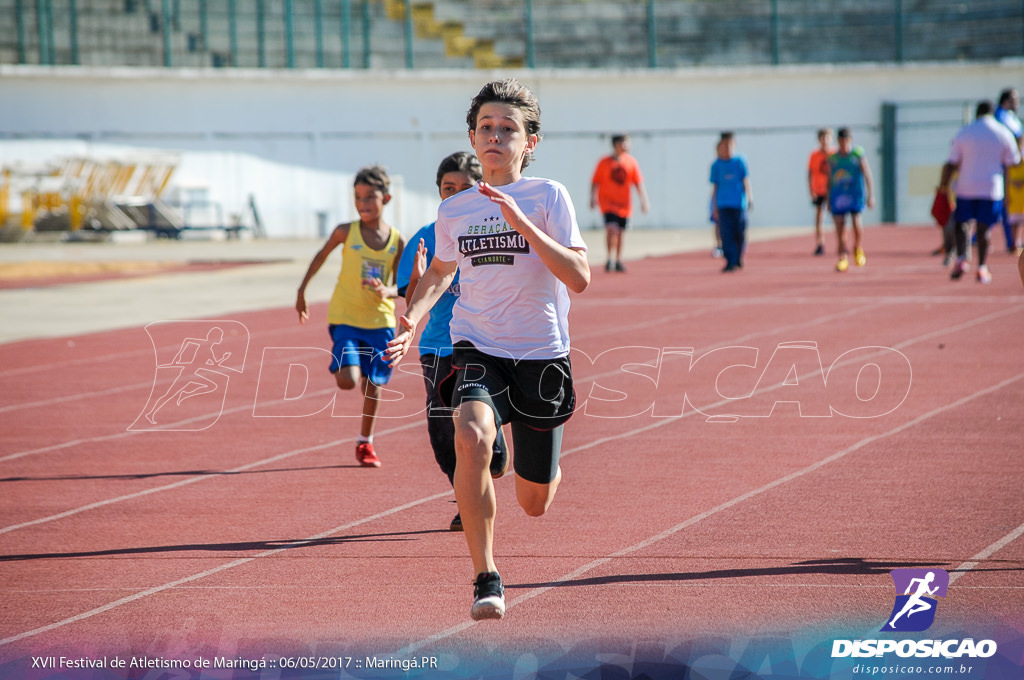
(817, 182)
(1006, 113)
(610, 191)
(731, 198)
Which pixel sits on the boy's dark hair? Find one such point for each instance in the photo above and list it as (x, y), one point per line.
(726, 136)
(619, 139)
(375, 176)
(460, 161)
(824, 131)
(984, 108)
(843, 133)
(509, 91)
(1006, 95)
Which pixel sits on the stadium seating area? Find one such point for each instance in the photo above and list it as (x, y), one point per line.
(503, 33)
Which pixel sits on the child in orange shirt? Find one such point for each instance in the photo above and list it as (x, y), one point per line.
(610, 187)
(817, 181)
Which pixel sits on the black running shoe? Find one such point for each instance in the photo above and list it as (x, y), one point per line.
(488, 597)
(456, 524)
(499, 456)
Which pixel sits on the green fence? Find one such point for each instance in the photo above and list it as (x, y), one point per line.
(497, 33)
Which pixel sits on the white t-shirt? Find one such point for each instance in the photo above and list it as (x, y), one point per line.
(510, 303)
(983, 149)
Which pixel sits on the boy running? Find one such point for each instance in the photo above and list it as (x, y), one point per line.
(518, 249)
(361, 315)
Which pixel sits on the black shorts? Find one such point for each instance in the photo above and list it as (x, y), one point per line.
(613, 220)
(819, 201)
(535, 395)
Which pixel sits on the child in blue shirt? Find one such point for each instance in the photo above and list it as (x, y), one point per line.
(456, 173)
(730, 199)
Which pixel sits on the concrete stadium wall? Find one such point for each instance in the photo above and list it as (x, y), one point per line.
(270, 132)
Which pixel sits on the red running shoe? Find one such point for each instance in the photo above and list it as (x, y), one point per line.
(366, 456)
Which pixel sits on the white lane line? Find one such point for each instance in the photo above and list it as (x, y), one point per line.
(986, 553)
(130, 353)
(193, 480)
(89, 395)
(210, 572)
(130, 433)
(74, 397)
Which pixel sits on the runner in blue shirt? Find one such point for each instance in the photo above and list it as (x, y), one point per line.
(1006, 113)
(457, 172)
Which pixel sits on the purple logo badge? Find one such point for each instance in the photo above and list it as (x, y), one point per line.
(916, 590)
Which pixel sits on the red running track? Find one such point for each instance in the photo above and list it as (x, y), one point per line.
(247, 526)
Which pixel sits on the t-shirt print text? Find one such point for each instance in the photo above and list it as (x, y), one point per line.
(493, 242)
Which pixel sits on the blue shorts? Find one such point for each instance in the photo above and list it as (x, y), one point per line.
(984, 211)
(363, 347)
(845, 204)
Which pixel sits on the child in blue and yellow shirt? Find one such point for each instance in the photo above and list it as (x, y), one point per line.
(361, 315)
(849, 192)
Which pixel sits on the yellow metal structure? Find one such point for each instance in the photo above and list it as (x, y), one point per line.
(80, 189)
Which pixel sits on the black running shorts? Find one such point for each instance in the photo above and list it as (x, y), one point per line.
(535, 396)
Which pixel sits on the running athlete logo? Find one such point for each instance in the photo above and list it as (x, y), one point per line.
(194, 364)
(914, 610)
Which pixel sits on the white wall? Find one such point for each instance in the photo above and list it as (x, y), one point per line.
(247, 127)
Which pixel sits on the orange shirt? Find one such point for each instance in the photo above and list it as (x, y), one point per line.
(818, 167)
(613, 178)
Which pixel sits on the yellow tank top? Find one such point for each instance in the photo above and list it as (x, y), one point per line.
(1015, 189)
(354, 303)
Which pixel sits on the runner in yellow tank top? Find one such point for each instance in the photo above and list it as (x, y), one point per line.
(356, 301)
(361, 315)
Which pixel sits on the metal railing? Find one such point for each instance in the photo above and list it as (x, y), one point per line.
(533, 33)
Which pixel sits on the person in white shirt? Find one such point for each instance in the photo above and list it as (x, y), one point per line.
(517, 247)
(981, 153)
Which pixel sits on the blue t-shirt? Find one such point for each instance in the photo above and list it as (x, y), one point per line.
(1011, 121)
(728, 176)
(436, 337)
